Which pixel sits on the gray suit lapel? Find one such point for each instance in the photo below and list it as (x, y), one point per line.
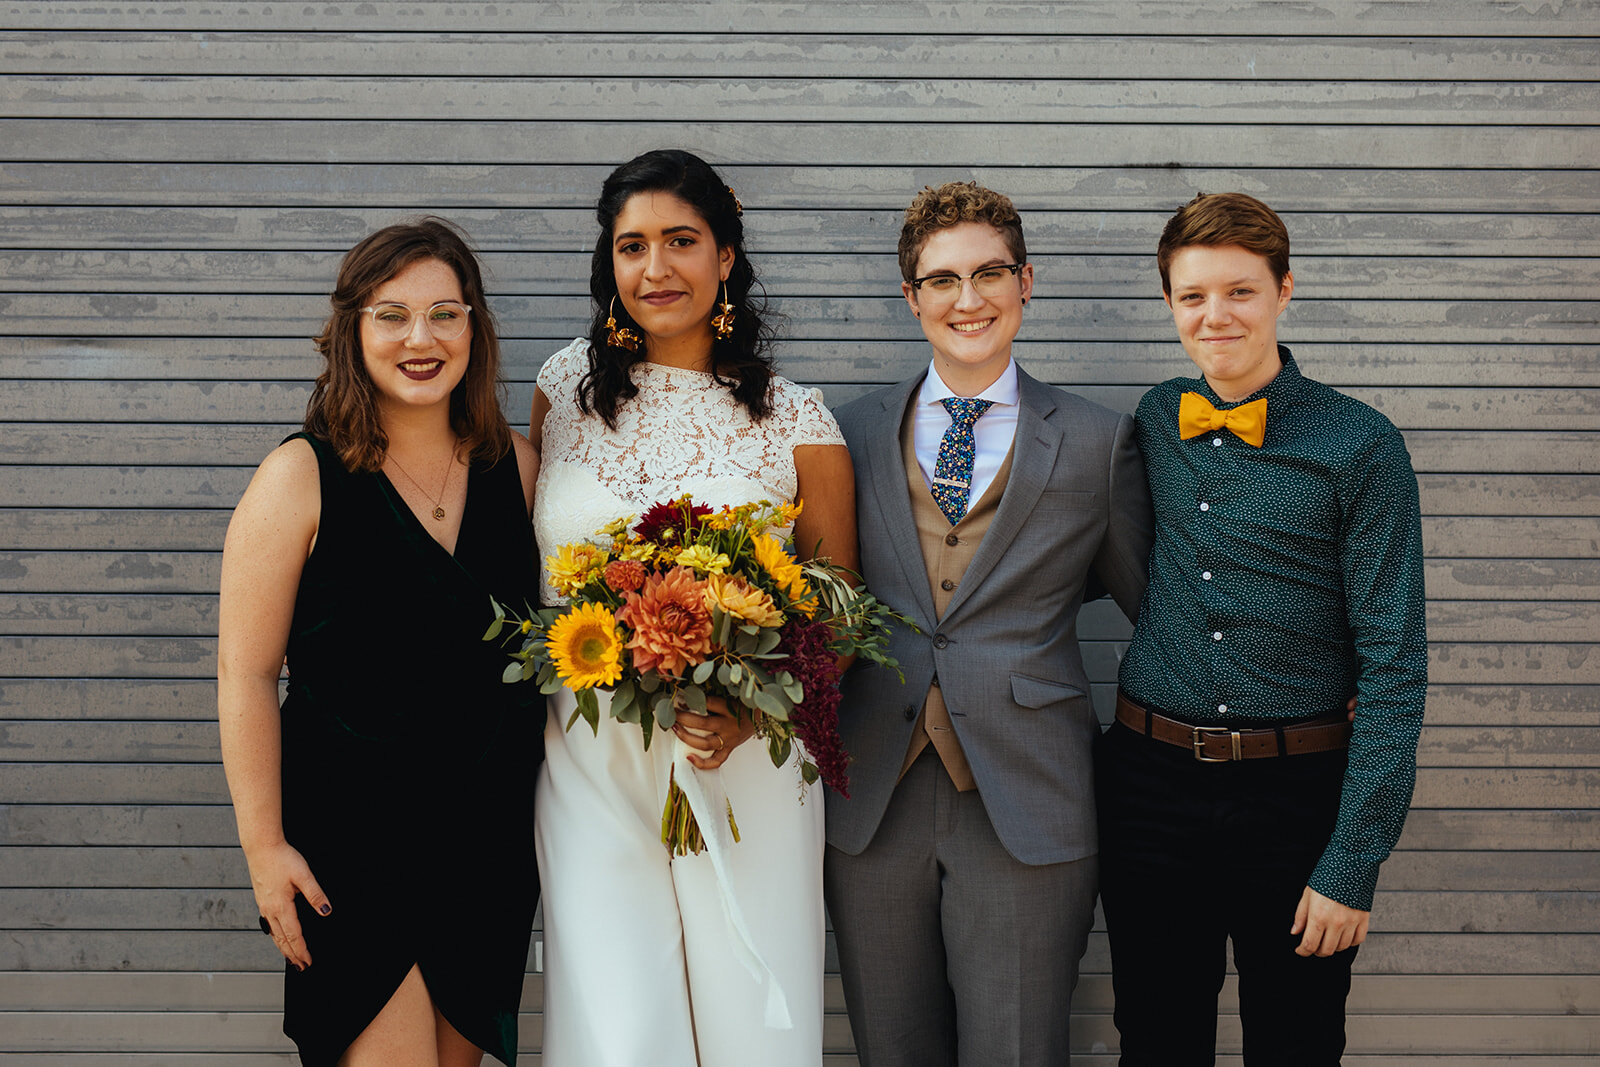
(1033, 458)
(897, 526)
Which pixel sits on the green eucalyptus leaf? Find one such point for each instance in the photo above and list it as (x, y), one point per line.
(735, 673)
(725, 675)
(702, 671)
(771, 704)
(695, 698)
(622, 695)
(666, 715)
(769, 641)
(512, 673)
(649, 681)
(809, 772)
(494, 629)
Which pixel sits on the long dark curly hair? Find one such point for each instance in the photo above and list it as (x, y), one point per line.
(741, 363)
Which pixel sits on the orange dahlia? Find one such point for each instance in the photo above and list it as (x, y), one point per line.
(670, 621)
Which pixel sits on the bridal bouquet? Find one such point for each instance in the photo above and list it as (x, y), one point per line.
(688, 603)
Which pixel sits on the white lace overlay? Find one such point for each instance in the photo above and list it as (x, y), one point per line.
(625, 923)
(682, 434)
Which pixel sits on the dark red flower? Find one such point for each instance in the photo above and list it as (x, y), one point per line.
(816, 718)
(667, 522)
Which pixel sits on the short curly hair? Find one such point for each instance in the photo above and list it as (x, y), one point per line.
(949, 205)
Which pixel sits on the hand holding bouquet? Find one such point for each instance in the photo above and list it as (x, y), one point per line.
(688, 603)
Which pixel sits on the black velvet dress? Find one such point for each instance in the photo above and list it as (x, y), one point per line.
(408, 766)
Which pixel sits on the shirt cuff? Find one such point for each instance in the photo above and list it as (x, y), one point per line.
(1350, 878)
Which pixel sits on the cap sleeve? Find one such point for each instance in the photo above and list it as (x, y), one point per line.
(813, 423)
(559, 377)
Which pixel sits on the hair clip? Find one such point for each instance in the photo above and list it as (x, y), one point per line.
(738, 208)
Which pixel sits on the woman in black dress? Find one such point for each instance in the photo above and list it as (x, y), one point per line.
(386, 810)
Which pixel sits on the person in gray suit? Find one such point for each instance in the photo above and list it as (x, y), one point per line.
(961, 870)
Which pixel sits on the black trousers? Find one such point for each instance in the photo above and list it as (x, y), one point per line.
(1193, 854)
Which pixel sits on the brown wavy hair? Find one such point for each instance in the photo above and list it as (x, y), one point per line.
(949, 205)
(343, 409)
(1215, 220)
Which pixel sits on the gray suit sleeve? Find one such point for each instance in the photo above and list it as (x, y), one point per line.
(1121, 566)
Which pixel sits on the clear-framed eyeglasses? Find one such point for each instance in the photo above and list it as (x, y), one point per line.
(447, 320)
(988, 281)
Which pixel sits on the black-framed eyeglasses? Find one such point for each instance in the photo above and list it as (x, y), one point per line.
(446, 320)
(988, 281)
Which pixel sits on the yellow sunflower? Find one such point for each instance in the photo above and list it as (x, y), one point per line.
(778, 563)
(585, 647)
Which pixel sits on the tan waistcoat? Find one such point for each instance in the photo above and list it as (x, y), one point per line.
(947, 551)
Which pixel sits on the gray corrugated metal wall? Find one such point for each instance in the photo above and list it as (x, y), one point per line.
(178, 179)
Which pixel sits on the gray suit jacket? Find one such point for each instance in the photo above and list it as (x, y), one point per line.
(1006, 652)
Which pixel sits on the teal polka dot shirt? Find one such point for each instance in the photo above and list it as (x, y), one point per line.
(1285, 579)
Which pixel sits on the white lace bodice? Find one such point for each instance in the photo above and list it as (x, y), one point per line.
(683, 433)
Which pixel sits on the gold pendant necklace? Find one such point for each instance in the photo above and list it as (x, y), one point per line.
(438, 501)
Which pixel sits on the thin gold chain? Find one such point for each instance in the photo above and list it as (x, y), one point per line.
(438, 501)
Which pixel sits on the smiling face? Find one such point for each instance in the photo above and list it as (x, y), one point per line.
(418, 370)
(669, 272)
(1226, 303)
(971, 334)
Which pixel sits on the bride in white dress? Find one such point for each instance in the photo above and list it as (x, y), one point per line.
(709, 960)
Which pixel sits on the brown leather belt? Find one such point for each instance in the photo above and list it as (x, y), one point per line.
(1219, 744)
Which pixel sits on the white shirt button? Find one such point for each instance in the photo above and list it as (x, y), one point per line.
(1222, 709)
(1204, 506)
(1206, 575)
(1216, 442)
(1217, 636)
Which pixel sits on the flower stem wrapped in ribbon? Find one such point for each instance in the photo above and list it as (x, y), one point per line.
(688, 603)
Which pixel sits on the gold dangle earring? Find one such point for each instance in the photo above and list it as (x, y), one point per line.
(623, 338)
(723, 323)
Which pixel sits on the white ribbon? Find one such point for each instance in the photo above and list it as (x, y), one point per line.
(709, 802)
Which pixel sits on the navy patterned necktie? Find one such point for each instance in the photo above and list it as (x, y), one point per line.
(952, 475)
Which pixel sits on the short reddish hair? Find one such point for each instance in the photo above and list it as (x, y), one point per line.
(1218, 219)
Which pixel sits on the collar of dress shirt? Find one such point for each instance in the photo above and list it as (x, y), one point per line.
(1003, 390)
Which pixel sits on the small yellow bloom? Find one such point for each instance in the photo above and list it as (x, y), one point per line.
(575, 566)
(780, 565)
(738, 597)
(527, 625)
(585, 647)
(641, 551)
(702, 558)
(617, 528)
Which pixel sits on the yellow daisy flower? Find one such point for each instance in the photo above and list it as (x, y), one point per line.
(778, 563)
(585, 647)
(575, 566)
(703, 558)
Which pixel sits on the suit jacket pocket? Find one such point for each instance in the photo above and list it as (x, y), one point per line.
(1038, 693)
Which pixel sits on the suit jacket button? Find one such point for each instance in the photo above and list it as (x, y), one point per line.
(941, 641)
(909, 711)
(947, 585)
(951, 539)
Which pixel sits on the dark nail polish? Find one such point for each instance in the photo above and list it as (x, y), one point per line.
(326, 909)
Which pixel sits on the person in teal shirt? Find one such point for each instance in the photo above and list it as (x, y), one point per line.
(1237, 798)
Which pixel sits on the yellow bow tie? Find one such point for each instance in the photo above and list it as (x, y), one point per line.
(1247, 421)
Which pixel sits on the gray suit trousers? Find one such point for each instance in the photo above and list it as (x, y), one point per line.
(953, 952)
